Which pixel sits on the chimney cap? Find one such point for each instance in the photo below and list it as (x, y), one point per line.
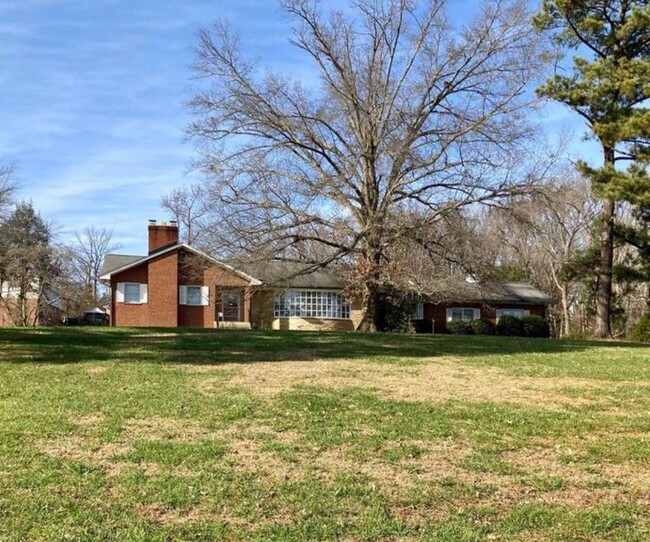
(152, 221)
(173, 222)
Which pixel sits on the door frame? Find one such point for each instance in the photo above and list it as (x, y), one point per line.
(240, 298)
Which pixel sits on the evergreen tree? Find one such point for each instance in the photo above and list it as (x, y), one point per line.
(608, 87)
(27, 263)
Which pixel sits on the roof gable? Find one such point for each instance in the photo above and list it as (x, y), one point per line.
(128, 262)
(116, 261)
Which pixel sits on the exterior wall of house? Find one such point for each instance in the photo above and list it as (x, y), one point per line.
(262, 316)
(437, 313)
(313, 324)
(5, 317)
(161, 309)
(36, 316)
(163, 276)
(11, 308)
(163, 290)
(262, 309)
(127, 314)
(192, 272)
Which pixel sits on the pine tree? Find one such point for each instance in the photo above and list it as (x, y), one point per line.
(608, 86)
(26, 263)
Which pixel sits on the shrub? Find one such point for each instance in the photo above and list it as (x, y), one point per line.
(536, 326)
(510, 326)
(641, 331)
(459, 327)
(398, 313)
(482, 327)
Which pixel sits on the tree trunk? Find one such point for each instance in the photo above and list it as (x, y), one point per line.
(370, 308)
(602, 327)
(566, 317)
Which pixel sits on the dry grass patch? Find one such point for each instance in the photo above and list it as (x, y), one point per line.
(437, 381)
(158, 428)
(161, 514)
(164, 515)
(85, 446)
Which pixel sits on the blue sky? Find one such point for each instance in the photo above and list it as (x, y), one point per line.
(93, 101)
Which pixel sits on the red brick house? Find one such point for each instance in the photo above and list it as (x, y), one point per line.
(176, 285)
(489, 302)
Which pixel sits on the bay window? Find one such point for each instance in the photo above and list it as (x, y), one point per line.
(311, 304)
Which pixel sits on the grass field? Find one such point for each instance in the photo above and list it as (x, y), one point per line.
(156, 435)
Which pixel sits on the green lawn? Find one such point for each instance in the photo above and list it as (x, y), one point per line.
(159, 435)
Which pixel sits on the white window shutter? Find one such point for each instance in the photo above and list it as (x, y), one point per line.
(143, 293)
(526, 312)
(477, 314)
(119, 293)
(182, 295)
(449, 315)
(205, 295)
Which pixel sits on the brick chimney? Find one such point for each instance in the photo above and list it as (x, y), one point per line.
(162, 235)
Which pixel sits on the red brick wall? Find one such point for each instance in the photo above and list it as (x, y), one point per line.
(161, 310)
(5, 317)
(194, 272)
(163, 290)
(162, 236)
(439, 312)
(128, 315)
(164, 275)
(14, 307)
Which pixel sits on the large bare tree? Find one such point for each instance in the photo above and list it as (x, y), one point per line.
(188, 207)
(7, 186)
(86, 257)
(408, 109)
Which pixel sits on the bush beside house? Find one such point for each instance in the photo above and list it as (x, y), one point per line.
(510, 326)
(535, 326)
(460, 327)
(482, 326)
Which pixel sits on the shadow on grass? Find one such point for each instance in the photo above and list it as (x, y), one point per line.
(199, 346)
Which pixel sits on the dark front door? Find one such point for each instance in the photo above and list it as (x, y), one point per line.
(231, 305)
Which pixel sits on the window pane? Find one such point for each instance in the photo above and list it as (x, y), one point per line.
(193, 295)
(132, 293)
(517, 313)
(462, 313)
(311, 304)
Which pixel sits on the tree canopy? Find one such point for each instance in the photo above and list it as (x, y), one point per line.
(609, 87)
(409, 112)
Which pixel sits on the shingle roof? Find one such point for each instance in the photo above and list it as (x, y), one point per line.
(292, 275)
(516, 292)
(508, 292)
(115, 261)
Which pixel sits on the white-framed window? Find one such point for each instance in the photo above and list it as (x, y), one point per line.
(517, 313)
(418, 312)
(467, 314)
(194, 295)
(311, 304)
(131, 293)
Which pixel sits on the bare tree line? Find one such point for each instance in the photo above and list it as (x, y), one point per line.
(42, 280)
